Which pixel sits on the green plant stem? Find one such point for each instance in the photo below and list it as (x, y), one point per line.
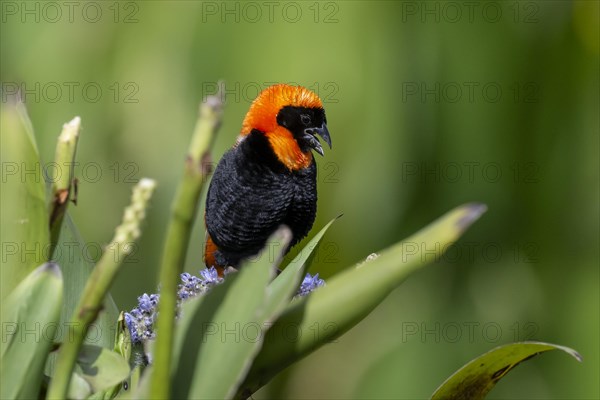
(183, 213)
(66, 147)
(97, 287)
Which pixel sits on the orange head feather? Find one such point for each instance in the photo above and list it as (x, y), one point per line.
(263, 117)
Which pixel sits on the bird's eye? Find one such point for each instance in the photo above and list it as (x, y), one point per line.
(305, 119)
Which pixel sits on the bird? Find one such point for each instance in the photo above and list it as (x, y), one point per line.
(268, 178)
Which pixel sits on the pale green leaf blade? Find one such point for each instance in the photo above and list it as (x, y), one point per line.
(74, 256)
(101, 368)
(123, 347)
(29, 324)
(478, 377)
(140, 384)
(79, 388)
(24, 230)
(283, 287)
(237, 305)
(353, 294)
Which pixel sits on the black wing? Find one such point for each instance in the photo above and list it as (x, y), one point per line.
(246, 202)
(303, 208)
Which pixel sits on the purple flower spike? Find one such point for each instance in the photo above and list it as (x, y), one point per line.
(309, 284)
(141, 319)
(210, 276)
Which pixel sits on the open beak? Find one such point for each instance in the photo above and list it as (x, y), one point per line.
(313, 142)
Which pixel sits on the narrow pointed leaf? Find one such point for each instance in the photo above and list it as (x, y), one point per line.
(226, 330)
(352, 295)
(24, 213)
(478, 377)
(29, 324)
(284, 286)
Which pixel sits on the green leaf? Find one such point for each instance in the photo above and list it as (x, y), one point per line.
(123, 347)
(134, 387)
(283, 287)
(140, 384)
(223, 330)
(29, 325)
(79, 388)
(123, 344)
(24, 213)
(73, 255)
(478, 377)
(101, 368)
(351, 295)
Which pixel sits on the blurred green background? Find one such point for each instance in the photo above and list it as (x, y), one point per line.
(430, 105)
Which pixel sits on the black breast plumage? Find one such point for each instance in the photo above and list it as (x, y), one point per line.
(251, 194)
